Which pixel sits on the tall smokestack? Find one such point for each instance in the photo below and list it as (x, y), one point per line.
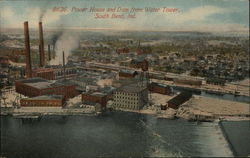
(64, 75)
(42, 63)
(40, 57)
(27, 50)
(49, 52)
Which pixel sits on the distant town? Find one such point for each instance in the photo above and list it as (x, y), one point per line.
(170, 74)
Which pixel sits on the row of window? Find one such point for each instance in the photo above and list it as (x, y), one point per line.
(128, 94)
(126, 97)
(27, 103)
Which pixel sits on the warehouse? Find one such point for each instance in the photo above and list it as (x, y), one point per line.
(44, 101)
(38, 86)
(175, 102)
(188, 82)
(130, 97)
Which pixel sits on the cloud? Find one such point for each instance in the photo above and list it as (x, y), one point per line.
(32, 14)
(6, 13)
(198, 14)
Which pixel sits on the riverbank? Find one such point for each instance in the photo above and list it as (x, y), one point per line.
(43, 111)
(198, 108)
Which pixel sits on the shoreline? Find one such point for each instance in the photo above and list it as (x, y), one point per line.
(172, 115)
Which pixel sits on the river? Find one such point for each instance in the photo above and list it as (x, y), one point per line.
(115, 135)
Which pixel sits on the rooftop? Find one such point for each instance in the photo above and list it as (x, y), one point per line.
(46, 97)
(41, 83)
(181, 98)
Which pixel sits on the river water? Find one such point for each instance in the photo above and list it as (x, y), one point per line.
(117, 134)
(223, 96)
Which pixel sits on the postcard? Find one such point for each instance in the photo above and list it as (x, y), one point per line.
(124, 78)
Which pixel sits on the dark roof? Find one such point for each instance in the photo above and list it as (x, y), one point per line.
(41, 83)
(181, 98)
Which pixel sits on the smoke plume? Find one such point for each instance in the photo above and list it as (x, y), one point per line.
(43, 10)
(66, 42)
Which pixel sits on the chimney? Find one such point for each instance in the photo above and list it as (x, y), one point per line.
(49, 52)
(64, 73)
(27, 50)
(42, 57)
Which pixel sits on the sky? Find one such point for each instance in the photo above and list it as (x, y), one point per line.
(191, 15)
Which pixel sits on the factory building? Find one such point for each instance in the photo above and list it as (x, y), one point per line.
(38, 86)
(43, 101)
(54, 72)
(130, 97)
(123, 73)
(94, 98)
(159, 88)
(46, 73)
(175, 102)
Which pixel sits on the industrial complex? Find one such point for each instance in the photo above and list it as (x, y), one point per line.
(118, 78)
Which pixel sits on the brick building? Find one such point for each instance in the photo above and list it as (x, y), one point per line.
(38, 86)
(159, 88)
(54, 72)
(95, 97)
(46, 73)
(43, 101)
